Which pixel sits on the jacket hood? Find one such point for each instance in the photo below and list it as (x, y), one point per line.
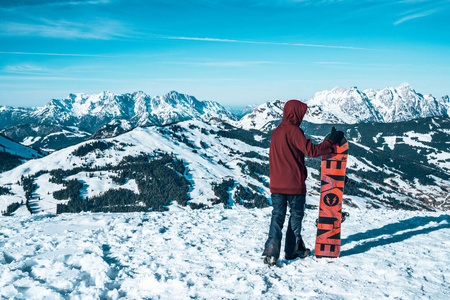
(294, 111)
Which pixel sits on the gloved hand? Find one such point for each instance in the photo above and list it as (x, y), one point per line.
(336, 135)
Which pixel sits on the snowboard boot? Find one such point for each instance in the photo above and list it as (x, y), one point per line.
(300, 251)
(270, 260)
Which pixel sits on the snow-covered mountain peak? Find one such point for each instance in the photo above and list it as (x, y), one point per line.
(139, 95)
(107, 94)
(76, 99)
(277, 104)
(262, 115)
(342, 90)
(174, 107)
(174, 94)
(175, 98)
(405, 86)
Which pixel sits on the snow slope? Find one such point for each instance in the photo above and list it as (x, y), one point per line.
(216, 254)
(12, 147)
(204, 167)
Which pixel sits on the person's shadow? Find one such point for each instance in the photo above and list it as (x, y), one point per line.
(392, 233)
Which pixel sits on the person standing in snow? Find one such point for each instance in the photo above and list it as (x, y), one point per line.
(288, 146)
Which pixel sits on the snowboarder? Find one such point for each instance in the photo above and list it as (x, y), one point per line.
(288, 173)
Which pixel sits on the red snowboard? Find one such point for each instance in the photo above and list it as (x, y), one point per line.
(328, 240)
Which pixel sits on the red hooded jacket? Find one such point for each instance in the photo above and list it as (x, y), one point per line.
(288, 146)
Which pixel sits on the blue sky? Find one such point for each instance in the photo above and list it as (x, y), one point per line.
(233, 52)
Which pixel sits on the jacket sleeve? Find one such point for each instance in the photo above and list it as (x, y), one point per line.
(307, 147)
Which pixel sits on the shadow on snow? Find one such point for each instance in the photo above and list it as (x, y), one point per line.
(387, 234)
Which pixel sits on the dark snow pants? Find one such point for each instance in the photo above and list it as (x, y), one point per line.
(293, 233)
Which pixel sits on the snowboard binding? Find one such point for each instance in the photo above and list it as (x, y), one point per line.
(344, 216)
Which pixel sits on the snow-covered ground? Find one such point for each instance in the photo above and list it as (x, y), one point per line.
(216, 254)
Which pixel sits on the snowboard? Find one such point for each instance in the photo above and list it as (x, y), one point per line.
(328, 240)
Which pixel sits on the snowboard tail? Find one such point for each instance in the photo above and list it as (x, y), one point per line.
(333, 167)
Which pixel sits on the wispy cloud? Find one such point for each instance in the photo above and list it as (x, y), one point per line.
(262, 43)
(407, 9)
(24, 69)
(330, 63)
(54, 78)
(96, 29)
(25, 3)
(415, 16)
(54, 54)
(226, 63)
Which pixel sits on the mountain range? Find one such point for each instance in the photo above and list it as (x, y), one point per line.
(140, 153)
(93, 111)
(339, 105)
(64, 122)
(389, 105)
(353, 106)
(67, 121)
